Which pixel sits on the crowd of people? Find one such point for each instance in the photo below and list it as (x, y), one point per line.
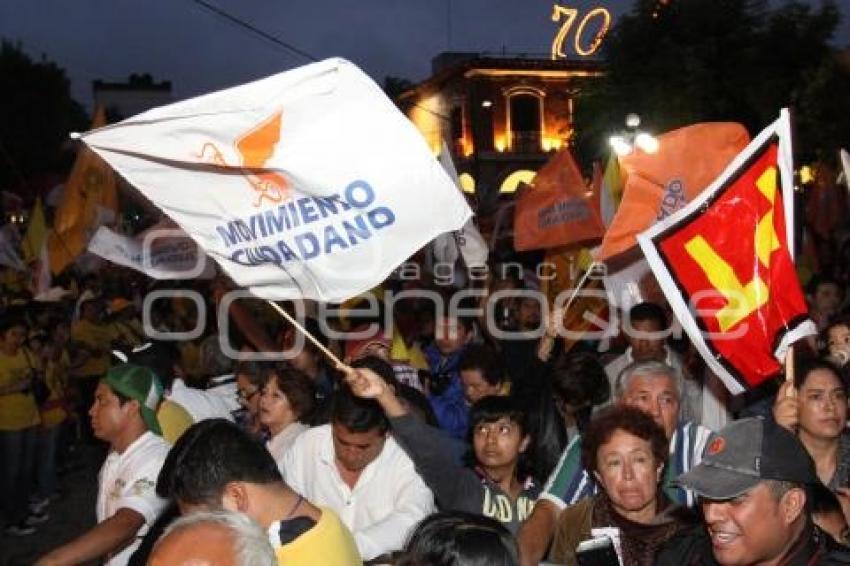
(429, 435)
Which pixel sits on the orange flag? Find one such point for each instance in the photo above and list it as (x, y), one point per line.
(658, 184)
(90, 195)
(557, 209)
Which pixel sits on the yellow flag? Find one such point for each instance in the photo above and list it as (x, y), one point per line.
(90, 191)
(36, 233)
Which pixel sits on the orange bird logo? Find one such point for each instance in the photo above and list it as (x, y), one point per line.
(256, 148)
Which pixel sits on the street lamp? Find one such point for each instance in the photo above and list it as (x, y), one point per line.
(625, 142)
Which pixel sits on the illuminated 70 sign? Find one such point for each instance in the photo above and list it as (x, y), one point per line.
(568, 17)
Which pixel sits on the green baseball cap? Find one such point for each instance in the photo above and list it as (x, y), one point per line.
(141, 384)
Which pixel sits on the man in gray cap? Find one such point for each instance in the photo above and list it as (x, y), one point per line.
(754, 485)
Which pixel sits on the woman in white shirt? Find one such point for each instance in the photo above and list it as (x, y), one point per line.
(285, 405)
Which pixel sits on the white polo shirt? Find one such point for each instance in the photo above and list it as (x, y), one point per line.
(128, 480)
(387, 501)
(216, 402)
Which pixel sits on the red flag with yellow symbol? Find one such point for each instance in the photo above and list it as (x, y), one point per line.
(557, 210)
(725, 264)
(90, 196)
(658, 184)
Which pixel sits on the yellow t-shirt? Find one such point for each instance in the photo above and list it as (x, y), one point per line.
(94, 337)
(328, 543)
(53, 412)
(173, 420)
(17, 410)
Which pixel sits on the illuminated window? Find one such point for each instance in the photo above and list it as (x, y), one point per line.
(512, 181)
(467, 183)
(525, 119)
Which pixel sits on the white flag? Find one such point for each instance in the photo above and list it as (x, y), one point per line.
(308, 184)
(468, 239)
(161, 252)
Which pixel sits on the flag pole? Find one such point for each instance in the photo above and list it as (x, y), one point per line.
(322, 348)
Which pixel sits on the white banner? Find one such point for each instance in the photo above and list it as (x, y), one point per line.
(160, 252)
(308, 184)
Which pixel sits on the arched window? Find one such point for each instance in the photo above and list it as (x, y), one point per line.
(525, 119)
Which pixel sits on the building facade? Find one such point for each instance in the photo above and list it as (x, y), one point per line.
(500, 117)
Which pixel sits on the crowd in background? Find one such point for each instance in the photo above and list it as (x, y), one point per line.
(441, 438)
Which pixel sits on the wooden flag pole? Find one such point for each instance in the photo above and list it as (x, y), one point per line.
(336, 361)
(789, 365)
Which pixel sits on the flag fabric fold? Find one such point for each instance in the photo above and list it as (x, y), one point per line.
(658, 184)
(725, 264)
(557, 209)
(309, 183)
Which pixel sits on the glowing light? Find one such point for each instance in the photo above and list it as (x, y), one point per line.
(632, 120)
(600, 35)
(512, 181)
(570, 15)
(620, 145)
(807, 174)
(486, 103)
(551, 144)
(647, 142)
(499, 143)
(467, 147)
(467, 183)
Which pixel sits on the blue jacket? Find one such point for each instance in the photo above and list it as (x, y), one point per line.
(450, 407)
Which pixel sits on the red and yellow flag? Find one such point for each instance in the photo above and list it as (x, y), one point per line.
(557, 209)
(90, 192)
(725, 264)
(658, 184)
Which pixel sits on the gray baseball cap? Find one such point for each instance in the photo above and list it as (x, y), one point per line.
(744, 453)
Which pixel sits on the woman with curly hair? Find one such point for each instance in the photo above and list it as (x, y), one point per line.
(625, 450)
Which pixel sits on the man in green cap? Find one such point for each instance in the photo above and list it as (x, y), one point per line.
(124, 415)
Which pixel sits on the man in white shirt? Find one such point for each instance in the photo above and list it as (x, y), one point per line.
(352, 466)
(124, 415)
(218, 401)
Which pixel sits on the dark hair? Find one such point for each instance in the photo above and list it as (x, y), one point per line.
(255, 371)
(208, 456)
(482, 358)
(834, 322)
(11, 319)
(158, 356)
(466, 304)
(494, 407)
(356, 414)
(299, 389)
(822, 279)
(806, 366)
(459, 539)
(580, 379)
(489, 410)
(379, 366)
(648, 311)
(822, 499)
(628, 419)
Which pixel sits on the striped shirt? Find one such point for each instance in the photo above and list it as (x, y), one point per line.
(570, 482)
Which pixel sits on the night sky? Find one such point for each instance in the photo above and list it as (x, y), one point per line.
(198, 51)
